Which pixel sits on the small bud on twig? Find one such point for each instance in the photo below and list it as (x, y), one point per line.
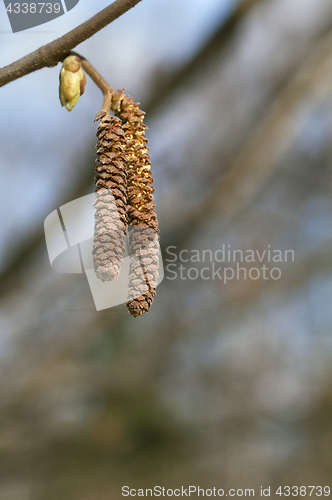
(72, 81)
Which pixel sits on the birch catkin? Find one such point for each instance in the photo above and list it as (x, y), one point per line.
(142, 218)
(124, 192)
(111, 199)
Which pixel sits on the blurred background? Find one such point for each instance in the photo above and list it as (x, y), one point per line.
(219, 385)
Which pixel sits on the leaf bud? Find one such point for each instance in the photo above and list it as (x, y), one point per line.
(72, 82)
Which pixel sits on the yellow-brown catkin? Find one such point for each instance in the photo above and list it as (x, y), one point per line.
(111, 199)
(142, 217)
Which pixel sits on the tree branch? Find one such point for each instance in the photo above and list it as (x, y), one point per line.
(106, 89)
(50, 54)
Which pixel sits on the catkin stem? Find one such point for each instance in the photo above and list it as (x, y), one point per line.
(105, 87)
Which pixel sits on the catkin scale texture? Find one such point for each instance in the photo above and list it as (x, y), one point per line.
(111, 199)
(142, 218)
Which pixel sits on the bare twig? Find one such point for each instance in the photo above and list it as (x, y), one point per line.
(106, 89)
(50, 54)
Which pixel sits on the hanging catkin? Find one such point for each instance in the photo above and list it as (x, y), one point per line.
(124, 192)
(142, 218)
(111, 199)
